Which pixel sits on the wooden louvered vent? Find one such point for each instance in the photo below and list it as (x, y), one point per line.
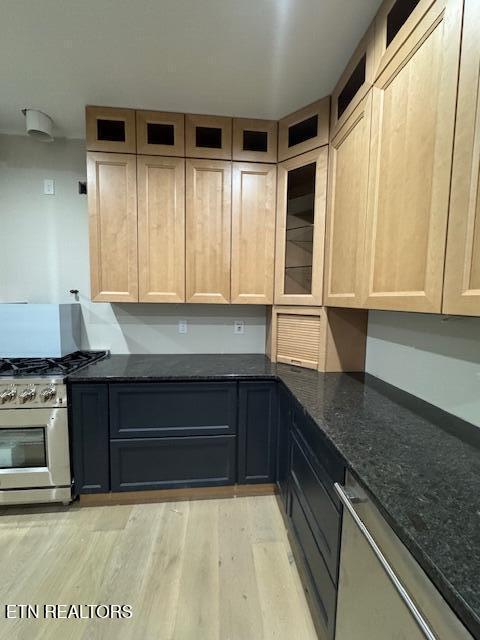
(298, 339)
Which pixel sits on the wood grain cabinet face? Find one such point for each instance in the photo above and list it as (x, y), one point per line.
(413, 114)
(347, 208)
(160, 133)
(301, 202)
(462, 273)
(354, 82)
(112, 205)
(304, 130)
(208, 231)
(253, 233)
(110, 129)
(161, 229)
(254, 140)
(208, 137)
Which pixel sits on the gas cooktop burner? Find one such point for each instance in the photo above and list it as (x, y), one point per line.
(48, 366)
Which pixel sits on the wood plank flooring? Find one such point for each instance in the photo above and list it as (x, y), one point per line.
(200, 570)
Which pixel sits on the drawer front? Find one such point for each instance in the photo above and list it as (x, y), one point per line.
(164, 463)
(322, 515)
(326, 594)
(155, 410)
(318, 445)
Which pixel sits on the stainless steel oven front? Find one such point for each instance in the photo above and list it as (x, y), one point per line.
(34, 448)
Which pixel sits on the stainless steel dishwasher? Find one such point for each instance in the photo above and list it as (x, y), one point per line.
(383, 593)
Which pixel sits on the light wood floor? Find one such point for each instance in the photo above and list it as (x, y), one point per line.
(203, 570)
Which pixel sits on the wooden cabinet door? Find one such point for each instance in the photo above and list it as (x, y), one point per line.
(347, 209)
(413, 115)
(110, 129)
(208, 230)
(304, 130)
(112, 206)
(89, 435)
(253, 233)
(301, 201)
(462, 274)
(208, 137)
(161, 229)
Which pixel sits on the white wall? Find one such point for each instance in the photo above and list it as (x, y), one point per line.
(434, 357)
(44, 254)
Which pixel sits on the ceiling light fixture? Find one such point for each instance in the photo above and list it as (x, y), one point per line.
(38, 124)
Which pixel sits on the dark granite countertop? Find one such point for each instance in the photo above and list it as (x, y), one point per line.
(421, 465)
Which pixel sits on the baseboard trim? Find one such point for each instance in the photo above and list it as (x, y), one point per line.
(176, 495)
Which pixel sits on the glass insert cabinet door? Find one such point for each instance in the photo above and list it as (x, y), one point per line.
(301, 202)
(22, 448)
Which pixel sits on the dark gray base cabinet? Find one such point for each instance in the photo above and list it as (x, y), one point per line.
(168, 463)
(143, 436)
(284, 427)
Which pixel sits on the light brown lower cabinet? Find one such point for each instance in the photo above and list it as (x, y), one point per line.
(347, 209)
(413, 117)
(318, 338)
(462, 270)
(161, 228)
(208, 230)
(112, 206)
(253, 232)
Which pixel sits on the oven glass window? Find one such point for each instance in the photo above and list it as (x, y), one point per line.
(21, 448)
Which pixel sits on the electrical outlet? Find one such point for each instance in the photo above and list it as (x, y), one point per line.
(49, 187)
(182, 326)
(239, 327)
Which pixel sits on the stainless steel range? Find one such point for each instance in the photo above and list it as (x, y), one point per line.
(34, 442)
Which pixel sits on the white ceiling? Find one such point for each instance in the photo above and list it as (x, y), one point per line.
(252, 58)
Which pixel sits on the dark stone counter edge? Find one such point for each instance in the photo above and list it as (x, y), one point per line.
(461, 429)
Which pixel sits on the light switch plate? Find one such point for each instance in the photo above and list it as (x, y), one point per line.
(182, 326)
(239, 326)
(49, 187)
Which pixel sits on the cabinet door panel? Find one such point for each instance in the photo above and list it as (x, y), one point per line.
(347, 209)
(253, 233)
(89, 435)
(257, 432)
(462, 275)
(112, 206)
(301, 202)
(208, 229)
(161, 229)
(411, 147)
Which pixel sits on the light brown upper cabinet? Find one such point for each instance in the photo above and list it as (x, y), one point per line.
(347, 208)
(462, 274)
(304, 130)
(301, 201)
(253, 233)
(208, 230)
(110, 129)
(160, 133)
(354, 82)
(254, 140)
(208, 137)
(112, 206)
(161, 228)
(413, 113)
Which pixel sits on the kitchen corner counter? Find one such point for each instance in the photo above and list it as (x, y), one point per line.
(424, 479)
